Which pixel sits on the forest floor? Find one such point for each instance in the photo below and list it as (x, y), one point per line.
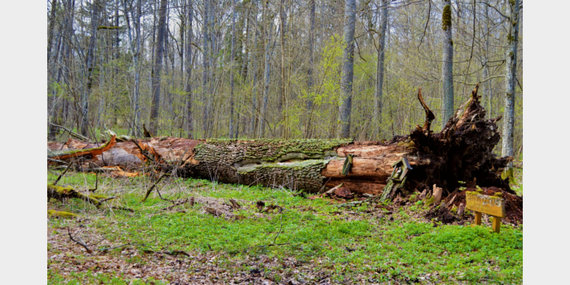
(199, 237)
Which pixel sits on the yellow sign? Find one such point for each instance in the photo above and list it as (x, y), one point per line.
(490, 205)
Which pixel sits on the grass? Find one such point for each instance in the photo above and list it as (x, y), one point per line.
(347, 244)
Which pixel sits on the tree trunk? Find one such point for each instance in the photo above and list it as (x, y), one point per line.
(206, 65)
(282, 96)
(153, 120)
(89, 62)
(377, 127)
(447, 67)
(136, 61)
(188, 64)
(51, 24)
(511, 77)
(254, 55)
(486, 74)
(462, 151)
(232, 65)
(310, 71)
(347, 68)
(267, 27)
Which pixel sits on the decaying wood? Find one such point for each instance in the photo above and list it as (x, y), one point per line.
(75, 153)
(462, 151)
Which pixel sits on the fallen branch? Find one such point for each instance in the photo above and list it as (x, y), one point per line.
(92, 152)
(179, 203)
(61, 175)
(153, 186)
(72, 133)
(64, 192)
(79, 241)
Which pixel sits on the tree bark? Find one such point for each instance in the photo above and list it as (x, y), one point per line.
(380, 69)
(232, 66)
(310, 70)
(267, 27)
(447, 67)
(254, 53)
(136, 61)
(89, 62)
(206, 64)
(156, 70)
(347, 68)
(188, 65)
(282, 96)
(511, 77)
(462, 151)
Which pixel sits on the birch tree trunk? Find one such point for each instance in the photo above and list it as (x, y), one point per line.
(153, 124)
(380, 69)
(90, 59)
(347, 68)
(188, 64)
(447, 68)
(511, 77)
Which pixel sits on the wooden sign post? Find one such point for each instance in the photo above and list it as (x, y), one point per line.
(490, 205)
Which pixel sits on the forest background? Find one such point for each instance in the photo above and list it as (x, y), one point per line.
(25, 84)
(273, 69)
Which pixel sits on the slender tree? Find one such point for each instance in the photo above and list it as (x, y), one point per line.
(156, 69)
(232, 64)
(206, 63)
(347, 68)
(253, 55)
(310, 70)
(89, 63)
(488, 90)
(136, 61)
(267, 27)
(188, 64)
(380, 67)
(447, 67)
(282, 95)
(511, 78)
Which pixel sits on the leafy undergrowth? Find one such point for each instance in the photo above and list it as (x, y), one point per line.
(301, 241)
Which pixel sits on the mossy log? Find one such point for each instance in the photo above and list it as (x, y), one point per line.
(66, 192)
(62, 214)
(462, 151)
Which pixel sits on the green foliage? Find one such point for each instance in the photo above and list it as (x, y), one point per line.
(353, 242)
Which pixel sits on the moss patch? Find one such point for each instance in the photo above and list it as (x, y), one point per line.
(446, 17)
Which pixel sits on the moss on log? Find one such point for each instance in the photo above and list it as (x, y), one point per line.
(304, 175)
(62, 214)
(66, 192)
(267, 162)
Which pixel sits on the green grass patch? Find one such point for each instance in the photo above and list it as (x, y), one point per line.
(346, 243)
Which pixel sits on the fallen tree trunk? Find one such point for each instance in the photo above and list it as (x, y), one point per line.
(462, 151)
